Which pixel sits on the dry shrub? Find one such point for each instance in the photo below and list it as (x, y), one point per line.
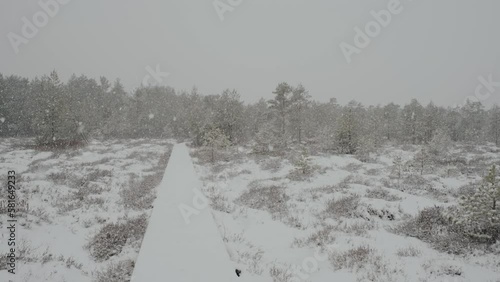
(354, 259)
(358, 228)
(342, 207)
(280, 274)
(320, 238)
(431, 225)
(218, 201)
(366, 263)
(111, 239)
(408, 252)
(413, 182)
(380, 193)
(353, 167)
(140, 195)
(116, 272)
(381, 213)
(272, 199)
(272, 164)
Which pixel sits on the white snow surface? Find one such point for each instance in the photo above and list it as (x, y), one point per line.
(174, 250)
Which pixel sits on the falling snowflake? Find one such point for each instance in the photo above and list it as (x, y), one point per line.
(175, 118)
(2, 120)
(151, 116)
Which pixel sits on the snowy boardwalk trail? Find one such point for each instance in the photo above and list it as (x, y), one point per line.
(176, 251)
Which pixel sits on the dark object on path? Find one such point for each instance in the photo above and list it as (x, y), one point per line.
(238, 272)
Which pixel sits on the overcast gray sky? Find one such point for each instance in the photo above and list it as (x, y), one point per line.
(431, 50)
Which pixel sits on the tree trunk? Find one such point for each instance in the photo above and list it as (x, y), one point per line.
(212, 158)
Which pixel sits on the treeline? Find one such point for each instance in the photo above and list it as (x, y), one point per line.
(61, 114)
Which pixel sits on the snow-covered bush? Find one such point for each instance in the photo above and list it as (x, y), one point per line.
(303, 164)
(273, 164)
(434, 226)
(342, 207)
(111, 239)
(140, 195)
(415, 182)
(366, 262)
(280, 274)
(358, 227)
(480, 212)
(408, 252)
(272, 199)
(218, 201)
(380, 193)
(319, 238)
(116, 272)
(354, 258)
(303, 167)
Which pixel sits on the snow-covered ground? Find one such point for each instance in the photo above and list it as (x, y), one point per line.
(89, 208)
(339, 223)
(66, 232)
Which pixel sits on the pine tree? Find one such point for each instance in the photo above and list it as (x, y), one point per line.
(303, 164)
(480, 211)
(280, 105)
(215, 139)
(495, 124)
(349, 129)
(366, 146)
(398, 167)
(440, 143)
(265, 139)
(413, 128)
(54, 121)
(422, 160)
(299, 103)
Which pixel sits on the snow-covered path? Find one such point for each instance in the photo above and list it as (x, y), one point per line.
(176, 249)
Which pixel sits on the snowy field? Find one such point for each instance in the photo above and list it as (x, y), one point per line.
(346, 220)
(84, 211)
(282, 218)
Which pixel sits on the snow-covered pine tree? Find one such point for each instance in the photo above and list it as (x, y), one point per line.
(422, 160)
(215, 139)
(494, 127)
(54, 120)
(265, 139)
(280, 107)
(480, 212)
(303, 164)
(366, 146)
(440, 143)
(412, 122)
(348, 128)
